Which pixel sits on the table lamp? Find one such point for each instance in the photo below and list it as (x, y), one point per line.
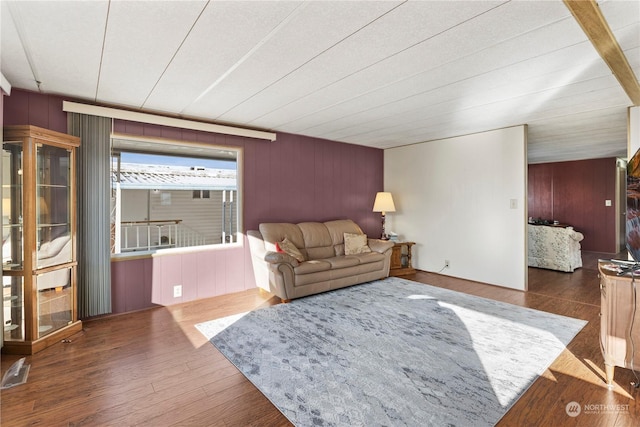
(383, 204)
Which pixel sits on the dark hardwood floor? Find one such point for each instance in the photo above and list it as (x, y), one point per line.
(154, 368)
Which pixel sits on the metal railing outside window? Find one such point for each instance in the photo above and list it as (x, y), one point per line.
(157, 234)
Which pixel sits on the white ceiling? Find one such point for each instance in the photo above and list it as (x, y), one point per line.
(374, 73)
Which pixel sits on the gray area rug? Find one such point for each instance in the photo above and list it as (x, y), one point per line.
(392, 353)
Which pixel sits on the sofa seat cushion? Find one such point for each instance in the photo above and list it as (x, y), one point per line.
(313, 266)
(314, 278)
(367, 257)
(343, 261)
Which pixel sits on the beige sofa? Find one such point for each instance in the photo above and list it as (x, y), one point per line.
(555, 248)
(325, 265)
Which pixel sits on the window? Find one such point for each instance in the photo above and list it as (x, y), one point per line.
(172, 195)
(201, 194)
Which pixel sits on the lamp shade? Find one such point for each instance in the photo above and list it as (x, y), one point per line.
(384, 203)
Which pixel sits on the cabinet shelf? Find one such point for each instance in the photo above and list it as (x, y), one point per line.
(52, 186)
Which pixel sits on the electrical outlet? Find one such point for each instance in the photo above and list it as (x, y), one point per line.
(177, 291)
(446, 263)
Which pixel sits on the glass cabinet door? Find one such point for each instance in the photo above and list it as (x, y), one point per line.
(53, 207)
(12, 195)
(55, 300)
(12, 241)
(53, 239)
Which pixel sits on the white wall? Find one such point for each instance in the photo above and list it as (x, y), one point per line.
(454, 199)
(633, 131)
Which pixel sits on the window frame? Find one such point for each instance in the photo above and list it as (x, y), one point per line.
(148, 143)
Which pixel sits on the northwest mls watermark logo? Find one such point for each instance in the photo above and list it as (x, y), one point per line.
(573, 409)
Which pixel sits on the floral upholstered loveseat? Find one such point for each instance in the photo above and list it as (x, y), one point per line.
(555, 248)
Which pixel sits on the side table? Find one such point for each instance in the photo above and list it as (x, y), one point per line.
(401, 259)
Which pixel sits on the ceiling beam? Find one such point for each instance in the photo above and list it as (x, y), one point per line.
(590, 18)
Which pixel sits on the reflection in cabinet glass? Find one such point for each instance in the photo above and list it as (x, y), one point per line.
(38, 224)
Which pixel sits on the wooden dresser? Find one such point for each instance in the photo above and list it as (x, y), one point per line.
(619, 321)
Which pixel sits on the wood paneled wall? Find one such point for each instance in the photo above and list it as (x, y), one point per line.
(293, 179)
(574, 193)
(30, 108)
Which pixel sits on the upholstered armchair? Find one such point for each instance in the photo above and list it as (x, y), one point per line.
(555, 248)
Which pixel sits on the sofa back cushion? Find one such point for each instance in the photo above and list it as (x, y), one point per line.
(337, 229)
(317, 241)
(277, 231)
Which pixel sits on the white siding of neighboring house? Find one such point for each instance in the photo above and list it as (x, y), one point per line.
(134, 205)
(202, 216)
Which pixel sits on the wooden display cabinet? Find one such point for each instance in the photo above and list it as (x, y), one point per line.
(401, 259)
(619, 321)
(39, 238)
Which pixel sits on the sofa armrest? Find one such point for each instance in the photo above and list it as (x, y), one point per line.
(279, 258)
(378, 245)
(575, 235)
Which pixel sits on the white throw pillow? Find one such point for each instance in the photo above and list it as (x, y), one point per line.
(355, 244)
(288, 247)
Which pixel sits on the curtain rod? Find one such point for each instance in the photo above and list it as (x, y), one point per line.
(135, 116)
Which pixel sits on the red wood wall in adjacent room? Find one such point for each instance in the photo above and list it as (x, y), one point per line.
(574, 193)
(292, 179)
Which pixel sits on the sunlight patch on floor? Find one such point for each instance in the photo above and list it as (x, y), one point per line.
(601, 381)
(210, 329)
